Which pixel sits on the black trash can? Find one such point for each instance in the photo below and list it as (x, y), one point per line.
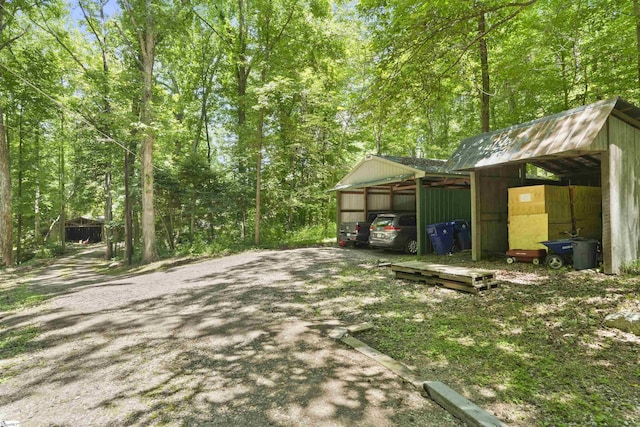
(462, 234)
(441, 235)
(585, 254)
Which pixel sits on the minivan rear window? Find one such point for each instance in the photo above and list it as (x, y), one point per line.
(383, 221)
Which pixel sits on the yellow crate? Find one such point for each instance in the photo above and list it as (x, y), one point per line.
(527, 231)
(587, 202)
(541, 199)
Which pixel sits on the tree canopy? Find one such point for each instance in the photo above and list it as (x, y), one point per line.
(194, 124)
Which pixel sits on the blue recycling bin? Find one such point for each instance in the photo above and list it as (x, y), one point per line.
(441, 235)
(462, 234)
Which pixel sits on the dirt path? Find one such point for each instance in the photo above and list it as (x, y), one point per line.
(228, 341)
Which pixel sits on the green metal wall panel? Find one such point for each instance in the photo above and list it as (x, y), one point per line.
(439, 205)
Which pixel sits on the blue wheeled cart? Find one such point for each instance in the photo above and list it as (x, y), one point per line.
(560, 252)
(580, 252)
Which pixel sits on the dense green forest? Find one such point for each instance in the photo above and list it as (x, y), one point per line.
(198, 126)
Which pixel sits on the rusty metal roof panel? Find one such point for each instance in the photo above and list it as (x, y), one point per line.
(570, 131)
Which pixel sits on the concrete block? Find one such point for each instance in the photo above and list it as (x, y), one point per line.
(627, 321)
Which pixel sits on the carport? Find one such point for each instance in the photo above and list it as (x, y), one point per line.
(83, 228)
(390, 183)
(593, 145)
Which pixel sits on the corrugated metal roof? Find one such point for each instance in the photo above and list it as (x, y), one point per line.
(570, 133)
(427, 165)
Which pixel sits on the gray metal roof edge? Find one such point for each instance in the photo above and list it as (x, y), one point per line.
(439, 170)
(455, 165)
(612, 101)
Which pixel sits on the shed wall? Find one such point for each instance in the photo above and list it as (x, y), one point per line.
(352, 204)
(621, 196)
(489, 208)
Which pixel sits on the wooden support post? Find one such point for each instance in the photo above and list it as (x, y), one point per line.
(365, 192)
(610, 209)
(476, 215)
(339, 214)
(421, 214)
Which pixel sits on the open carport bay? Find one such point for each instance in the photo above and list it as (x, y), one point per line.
(391, 184)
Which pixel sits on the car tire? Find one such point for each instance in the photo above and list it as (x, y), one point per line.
(411, 246)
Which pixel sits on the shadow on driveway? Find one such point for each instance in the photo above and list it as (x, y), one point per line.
(230, 341)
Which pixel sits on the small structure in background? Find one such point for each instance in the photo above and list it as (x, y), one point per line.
(84, 230)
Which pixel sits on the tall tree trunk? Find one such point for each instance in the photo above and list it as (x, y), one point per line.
(108, 214)
(484, 67)
(108, 200)
(61, 189)
(128, 213)
(636, 9)
(242, 76)
(20, 180)
(36, 202)
(147, 49)
(6, 221)
(259, 175)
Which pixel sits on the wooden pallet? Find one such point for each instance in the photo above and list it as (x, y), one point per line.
(461, 278)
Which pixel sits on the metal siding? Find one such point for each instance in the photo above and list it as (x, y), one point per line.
(439, 205)
(404, 202)
(601, 141)
(378, 202)
(352, 202)
(351, 217)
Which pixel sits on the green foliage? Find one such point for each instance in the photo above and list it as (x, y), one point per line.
(308, 87)
(631, 269)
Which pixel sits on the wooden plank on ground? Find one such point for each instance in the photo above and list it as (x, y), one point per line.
(393, 365)
(455, 273)
(461, 286)
(461, 407)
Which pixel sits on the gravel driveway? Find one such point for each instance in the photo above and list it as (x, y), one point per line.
(228, 341)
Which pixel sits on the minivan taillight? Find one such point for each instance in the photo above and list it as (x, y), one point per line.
(357, 227)
(391, 228)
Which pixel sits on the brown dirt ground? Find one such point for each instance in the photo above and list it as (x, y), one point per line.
(226, 341)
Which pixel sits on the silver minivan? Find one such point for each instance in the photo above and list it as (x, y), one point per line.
(396, 231)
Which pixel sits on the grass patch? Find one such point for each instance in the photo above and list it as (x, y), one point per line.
(16, 342)
(19, 297)
(534, 351)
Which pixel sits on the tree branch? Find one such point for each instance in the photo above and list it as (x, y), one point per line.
(11, 40)
(89, 23)
(489, 30)
(51, 32)
(211, 27)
